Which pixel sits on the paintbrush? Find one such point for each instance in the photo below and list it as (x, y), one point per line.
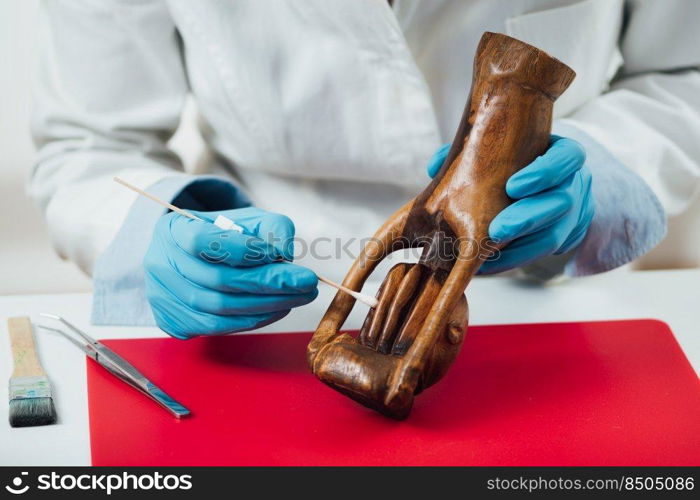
(228, 224)
(30, 391)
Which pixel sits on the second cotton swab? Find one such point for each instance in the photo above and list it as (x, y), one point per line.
(229, 225)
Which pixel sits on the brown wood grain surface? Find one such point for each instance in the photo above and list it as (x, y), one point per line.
(409, 341)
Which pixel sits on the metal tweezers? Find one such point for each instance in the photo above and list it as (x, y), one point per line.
(118, 366)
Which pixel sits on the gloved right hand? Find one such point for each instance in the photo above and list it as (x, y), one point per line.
(552, 209)
(203, 280)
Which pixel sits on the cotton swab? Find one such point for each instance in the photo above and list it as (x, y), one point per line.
(362, 297)
(227, 224)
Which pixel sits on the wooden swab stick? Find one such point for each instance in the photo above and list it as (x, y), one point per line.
(157, 200)
(226, 223)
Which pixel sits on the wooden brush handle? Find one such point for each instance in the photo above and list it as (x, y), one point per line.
(23, 348)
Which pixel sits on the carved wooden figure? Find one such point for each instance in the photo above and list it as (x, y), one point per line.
(408, 342)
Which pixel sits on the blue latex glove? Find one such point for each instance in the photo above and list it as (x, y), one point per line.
(552, 210)
(203, 280)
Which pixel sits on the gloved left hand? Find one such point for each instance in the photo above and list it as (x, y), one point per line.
(552, 210)
(204, 280)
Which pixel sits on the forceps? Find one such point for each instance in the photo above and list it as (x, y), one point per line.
(118, 366)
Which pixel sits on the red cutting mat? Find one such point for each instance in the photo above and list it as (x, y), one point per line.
(600, 393)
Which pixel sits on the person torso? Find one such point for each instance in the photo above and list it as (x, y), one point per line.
(328, 110)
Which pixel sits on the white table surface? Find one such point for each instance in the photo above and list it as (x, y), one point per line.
(671, 296)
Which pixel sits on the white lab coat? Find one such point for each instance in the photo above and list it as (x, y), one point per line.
(327, 110)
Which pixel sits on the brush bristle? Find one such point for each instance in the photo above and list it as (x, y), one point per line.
(32, 411)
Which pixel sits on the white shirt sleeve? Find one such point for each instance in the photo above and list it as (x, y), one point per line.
(650, 118)
(648, 123)
(108, 95)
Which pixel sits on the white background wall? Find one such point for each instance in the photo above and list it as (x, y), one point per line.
(27, 262)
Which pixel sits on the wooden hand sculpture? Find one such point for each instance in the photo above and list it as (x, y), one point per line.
(409, 341)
